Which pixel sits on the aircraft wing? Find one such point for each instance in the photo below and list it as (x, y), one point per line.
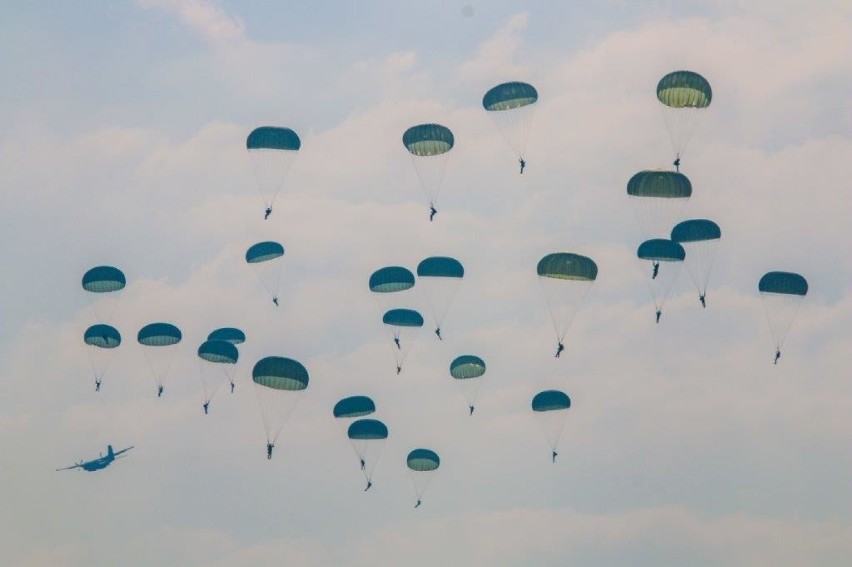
(117, 453)
(75, 466)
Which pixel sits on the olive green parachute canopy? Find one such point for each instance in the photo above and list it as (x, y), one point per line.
(423, 460)
(684, 89)
(104, 279)
(440, 267)
(696, 230)
(367, 429)
(786, 283)
(391, 279)
(428, 140)
(403, 318)
(230, 334)
(467, 366)
(273, 138)
(159, 334)
(280, 373)
(660, 184)
(263, 252)
(219, 352)
(507, 96)
(550, 400)
(354, 406)
(661, 250)
(567, 266)
(102, 336)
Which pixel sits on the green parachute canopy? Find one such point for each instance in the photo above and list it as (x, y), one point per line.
(423, 460)
(104, 279)
(440, 267)
(684, 89)
(280, 373)
(508, 96)
(550, 400)
(230, 334)
(661, 250)
(696, 230)
(786, 283)
(367, 429)
(219, 352)
(159, 334)
(354, 406)
(403, 318)
(391, 279)
(425, 140)
(263, 252)
(273, 138)
(659, 184)
(467, 366)
(567, 266)
(102, 336)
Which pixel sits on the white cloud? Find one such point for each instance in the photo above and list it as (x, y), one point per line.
(203, 17)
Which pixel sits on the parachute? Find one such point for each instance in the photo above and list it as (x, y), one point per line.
(429, 146)
(272, 150)
(700, 239)
(422, 464)
(105, 338)
(103, 284)
(665, 259)
(658, 197)
(158, 337)
(230, 334)
(684, 95)
(217, 360)
(782, 294)
(550, 408)
(512, 106)
(386, 285)
(267, 258)
(405, 325)
(440, 279)
(565, 279)
(278, 384)
(353, 407)
(467, 369)
(368, 438)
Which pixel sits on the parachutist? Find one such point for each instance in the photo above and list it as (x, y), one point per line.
(396, 340)
(432, 212)
(206, 406)
(559, 349)
(676, 163)
(267, 212)
(369, 485)
(275, 300)
(269, 447)
(398, 369)
(160, 391)
(659, 313)
(97, 385)
(656, 271)
(418, 504)
(438, 332)
(555, 454)
(232, 387)
(471, 410)
(777, 356)
(703, 302)
(363, 464)
(523, 164)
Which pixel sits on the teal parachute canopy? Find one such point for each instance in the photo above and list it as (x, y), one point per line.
(102, 336)
(220, 352)
(280, 373)
(428, 140)
(354, 406)
(550, 400)
(467, 366)
(273, 138)
(661, 250)
(660, 184)
(104, 279)
(568, 266)
(368, 429)
(230, 334)
(507, 96)
(440, 267)
(403, 318)
(696, 230)
(786, 283)
(684, 89)
(391, 279)
(263, 252)
(159, 334)
(423, 460)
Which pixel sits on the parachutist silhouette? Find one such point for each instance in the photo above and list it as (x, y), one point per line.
(398, 369)
(267, 213)
(555, 454)
(275, 300)
(432, 212)
(232, 387)
(701, 299)
(396, 340)
(559, 349)
(269, 447)
(418, 504)
(363, 464)
(676, 163)
(160, 391)
(471, 410)
(523, 164)
(206, 406)
(438, 332)
(369, 484)
(659, 313)
(97, 385)
(777, 356)
(656, 271)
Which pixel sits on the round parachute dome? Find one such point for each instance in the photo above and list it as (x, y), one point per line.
(440, 267)
(280, 373)
(102, 336)
(273, 138)
(423, 460)
(104, 279)
(159, 334)
(507, 96)
(660, 184)
(786, 283)
(467, 366)
(403, 318)
(696, 230)
(230, 334)
(367, 429)
(550, 400)
(567, 266)
(263, 252)
(219, 352)
(427, 140)
(661, 250)
(354, 406)
(684, 89)
(391, 279)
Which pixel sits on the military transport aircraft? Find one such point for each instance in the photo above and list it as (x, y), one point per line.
(99, 463)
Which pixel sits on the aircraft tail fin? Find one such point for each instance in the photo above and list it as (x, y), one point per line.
(109, 451)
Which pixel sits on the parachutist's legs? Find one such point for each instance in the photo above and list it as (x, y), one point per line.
(659, 313)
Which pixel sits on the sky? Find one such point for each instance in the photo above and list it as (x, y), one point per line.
(123, 143)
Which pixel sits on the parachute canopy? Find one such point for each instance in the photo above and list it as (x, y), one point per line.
(684, 89)
(391, 279)
(440, 267)
(219, 352)
(423, 460)
(104, 279)
(280, 373)
(660, 184)
(273, 138)
(786, 283)
(403, 318)
(507, 96)
(567, 266)
(159, 334)
(354, 406)
(426, 140)
(696, 230)
(661, 250)
(550, 400)
(367, 429)
(230, 334)
(467, 366)
(102, 336)
(263, 252)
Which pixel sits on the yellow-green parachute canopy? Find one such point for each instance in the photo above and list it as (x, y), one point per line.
(425, 140)
(684, 89)
(280, 373)
(567, 266)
